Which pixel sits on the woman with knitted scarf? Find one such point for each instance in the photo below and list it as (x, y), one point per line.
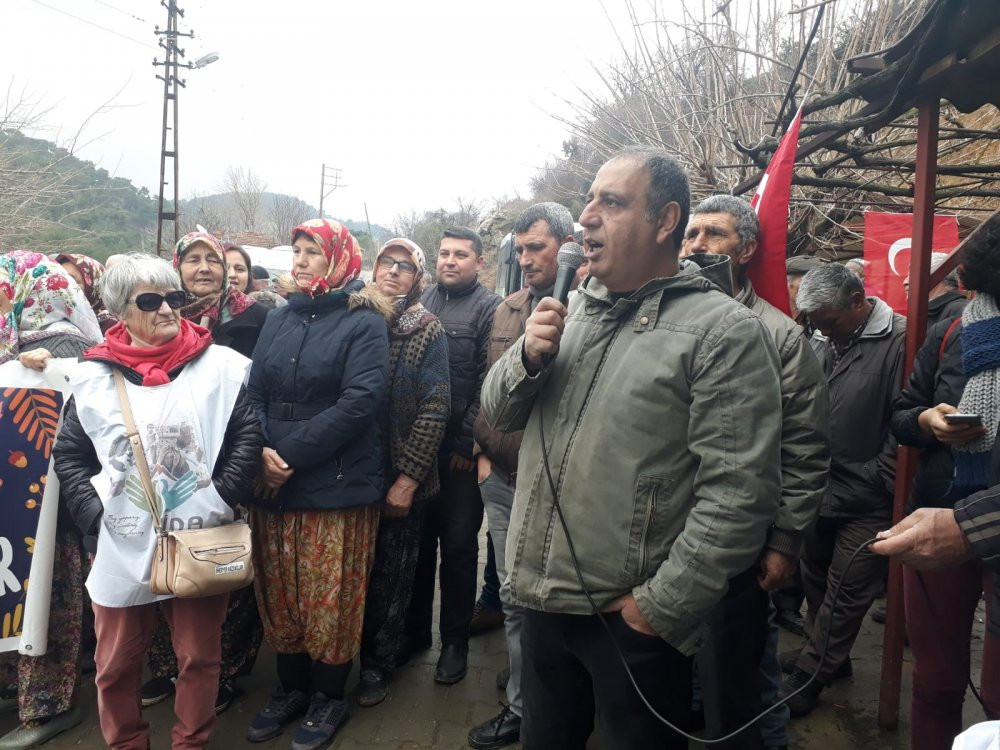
(956, 371)
(412, 420)
(234, 319)
(319, 376)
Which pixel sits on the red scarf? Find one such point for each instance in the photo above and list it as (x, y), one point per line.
(152, 362)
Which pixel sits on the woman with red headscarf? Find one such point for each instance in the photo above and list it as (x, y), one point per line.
(319, 374)
(87, 273)
(234, 319)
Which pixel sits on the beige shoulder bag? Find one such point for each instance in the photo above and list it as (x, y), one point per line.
(196, 562)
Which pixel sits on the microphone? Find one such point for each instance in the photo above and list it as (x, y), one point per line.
(570, 258)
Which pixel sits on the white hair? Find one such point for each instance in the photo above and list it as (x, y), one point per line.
(135, 269)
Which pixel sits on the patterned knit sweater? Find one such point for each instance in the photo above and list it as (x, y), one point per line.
(413, 418)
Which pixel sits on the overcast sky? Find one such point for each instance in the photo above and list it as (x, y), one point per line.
(417, 103)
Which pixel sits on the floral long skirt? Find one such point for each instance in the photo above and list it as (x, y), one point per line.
(312, 571)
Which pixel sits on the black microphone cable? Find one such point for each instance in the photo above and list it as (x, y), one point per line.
(611, 635)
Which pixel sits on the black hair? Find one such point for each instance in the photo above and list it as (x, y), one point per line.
(668, 183)
(980, 269)
(464, 233)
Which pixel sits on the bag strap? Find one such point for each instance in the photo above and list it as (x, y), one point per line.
(947, 335)
(137, 450)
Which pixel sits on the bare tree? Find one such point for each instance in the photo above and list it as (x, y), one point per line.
(285, 213)
(714, 84)
(247, 192)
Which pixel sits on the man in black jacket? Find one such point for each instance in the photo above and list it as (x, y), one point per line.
(859, 341)
(466, 309)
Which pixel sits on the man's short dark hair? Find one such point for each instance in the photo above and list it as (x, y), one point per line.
(980, 269)
(464, 233)
(747, 224)
(556, 217)
(259, 273)
(668, 183)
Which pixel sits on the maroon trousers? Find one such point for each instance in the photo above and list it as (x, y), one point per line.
(940, 607)
(123, 637)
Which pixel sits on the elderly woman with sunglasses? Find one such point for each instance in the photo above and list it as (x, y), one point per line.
(202, 442)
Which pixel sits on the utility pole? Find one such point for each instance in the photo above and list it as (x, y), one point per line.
(331, 177)
(171, 86)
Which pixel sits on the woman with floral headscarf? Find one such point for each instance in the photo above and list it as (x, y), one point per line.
(87, 273)
(319, 374)
(234, 319)
(43, 313)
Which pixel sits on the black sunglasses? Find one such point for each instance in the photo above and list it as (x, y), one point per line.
(404, 265)
(150, 301)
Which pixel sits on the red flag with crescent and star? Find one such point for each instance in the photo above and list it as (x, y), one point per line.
(888, 238)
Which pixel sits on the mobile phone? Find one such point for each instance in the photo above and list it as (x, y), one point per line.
(971, 419)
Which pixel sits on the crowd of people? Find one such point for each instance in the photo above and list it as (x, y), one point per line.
(669, 466)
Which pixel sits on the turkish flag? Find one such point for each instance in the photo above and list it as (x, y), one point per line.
(767, 269)
(888, 238)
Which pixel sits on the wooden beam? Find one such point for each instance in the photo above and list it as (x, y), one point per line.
(916, 327)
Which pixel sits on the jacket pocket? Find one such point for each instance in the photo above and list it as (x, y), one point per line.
(649, 491)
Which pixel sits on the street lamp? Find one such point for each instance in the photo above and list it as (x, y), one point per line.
(208, 59)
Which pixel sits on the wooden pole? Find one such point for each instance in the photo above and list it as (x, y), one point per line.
(916, 327)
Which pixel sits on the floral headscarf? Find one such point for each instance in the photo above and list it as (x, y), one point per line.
(221, 306)
(91, 271)
(342, 251)
(44, 301)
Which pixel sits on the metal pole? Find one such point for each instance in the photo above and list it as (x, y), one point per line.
(322, 190)
(176, 81)
(916, 328)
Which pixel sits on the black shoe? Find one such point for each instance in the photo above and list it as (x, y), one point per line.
(503, 677)
(452, 664)
(502, 730)
(157, 690)
(803, 703)
(790, 620)
(373, 687)
(224, 698)
(485, 619)
(281, 708)
(877, 614)
(788, 659)
(326, 716)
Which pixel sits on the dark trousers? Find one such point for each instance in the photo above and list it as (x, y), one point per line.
(729, 663)
(453, 517)
(828, 548)
(572, 672)
(940, 608)
(390, 587)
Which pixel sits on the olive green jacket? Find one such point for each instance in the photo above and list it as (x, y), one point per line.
(805, 427)
(662, 422)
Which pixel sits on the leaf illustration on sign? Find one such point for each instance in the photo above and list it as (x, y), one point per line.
(36, 413)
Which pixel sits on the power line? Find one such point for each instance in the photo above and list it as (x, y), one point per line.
(91, 23)
(123, 12)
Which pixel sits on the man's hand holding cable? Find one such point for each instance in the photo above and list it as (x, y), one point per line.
(542, 333)
(928, 538)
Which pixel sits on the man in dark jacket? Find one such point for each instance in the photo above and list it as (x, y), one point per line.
(537, 235)
(465, 308)
(859, 341)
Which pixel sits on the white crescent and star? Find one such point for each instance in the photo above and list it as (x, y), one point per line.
(903, 243)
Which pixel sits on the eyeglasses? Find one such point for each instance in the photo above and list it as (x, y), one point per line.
(150, 301)
(404, 265)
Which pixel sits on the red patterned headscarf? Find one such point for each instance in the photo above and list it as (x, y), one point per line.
(222, 306)
(90, 271)
(342, 251)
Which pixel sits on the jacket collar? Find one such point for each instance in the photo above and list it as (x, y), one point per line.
(465, 291)
(879, 323)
